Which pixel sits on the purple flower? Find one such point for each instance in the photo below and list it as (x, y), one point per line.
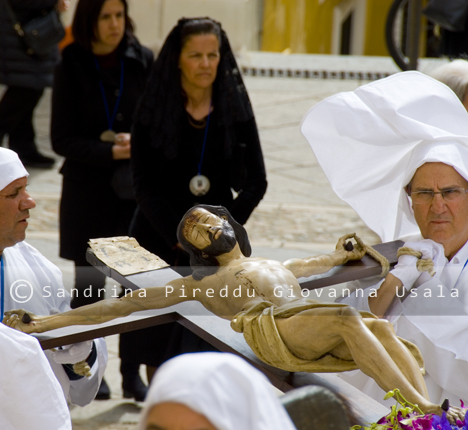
(441, 423)
(383, 420)
(420, 422)
(406, 418)
(423, 423)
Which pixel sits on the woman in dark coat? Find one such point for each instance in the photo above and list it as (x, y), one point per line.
(26, 76)
(195, 140)
(96, 90)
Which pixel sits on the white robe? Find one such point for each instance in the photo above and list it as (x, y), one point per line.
(438, 325)
(30, 397)
(34, 283)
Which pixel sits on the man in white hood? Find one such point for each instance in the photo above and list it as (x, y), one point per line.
(396, 150)
(212, 391)
(28, 279)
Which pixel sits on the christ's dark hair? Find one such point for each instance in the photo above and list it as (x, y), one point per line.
(201, 264)
(85, 20)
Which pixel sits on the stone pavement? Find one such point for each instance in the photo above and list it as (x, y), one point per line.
(299, 216)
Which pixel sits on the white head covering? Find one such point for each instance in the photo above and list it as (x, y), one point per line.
(371, 141)
(11, 168)
(224, 388)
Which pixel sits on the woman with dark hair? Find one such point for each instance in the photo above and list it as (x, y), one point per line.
(195, 141)
(96, 90)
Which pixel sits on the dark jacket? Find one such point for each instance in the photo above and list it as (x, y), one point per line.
(78, 114)
(89, 206)
(17, 68)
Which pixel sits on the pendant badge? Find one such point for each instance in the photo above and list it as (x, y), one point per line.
(107, 136)
(199, 185)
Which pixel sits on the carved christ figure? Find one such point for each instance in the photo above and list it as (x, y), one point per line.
(283, 329)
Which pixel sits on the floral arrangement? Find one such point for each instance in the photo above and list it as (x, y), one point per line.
(406, 416)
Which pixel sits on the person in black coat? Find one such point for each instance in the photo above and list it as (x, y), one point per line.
(195, 140)
(96, 89)
(26, 76)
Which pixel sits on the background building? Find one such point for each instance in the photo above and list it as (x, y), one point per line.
(242, 19)
(339, 27)
(353, 27)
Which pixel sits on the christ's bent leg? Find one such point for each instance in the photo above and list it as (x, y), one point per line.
(315, 332)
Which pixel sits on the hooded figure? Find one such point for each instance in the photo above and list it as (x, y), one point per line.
(30, 281)
(370, 144)
(23, 360)
(371, 141)
(225, 389)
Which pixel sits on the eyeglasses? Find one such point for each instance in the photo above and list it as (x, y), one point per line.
(450, 195)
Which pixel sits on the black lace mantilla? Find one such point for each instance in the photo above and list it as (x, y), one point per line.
(162, 106)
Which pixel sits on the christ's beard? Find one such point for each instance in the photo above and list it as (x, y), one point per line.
(224, 244)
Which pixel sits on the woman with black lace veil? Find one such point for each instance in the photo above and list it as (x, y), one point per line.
(194, 140)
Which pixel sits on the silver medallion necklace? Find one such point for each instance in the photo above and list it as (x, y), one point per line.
(199, 185)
